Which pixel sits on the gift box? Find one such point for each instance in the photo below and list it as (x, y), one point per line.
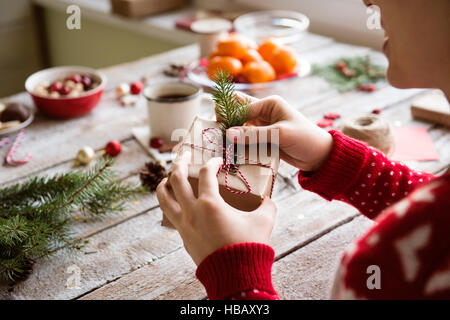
(141, 8)
(248, 173)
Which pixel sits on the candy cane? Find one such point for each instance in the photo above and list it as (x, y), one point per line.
(9, 156)
(4, 142)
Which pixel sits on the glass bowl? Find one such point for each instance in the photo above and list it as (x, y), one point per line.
(282, 26)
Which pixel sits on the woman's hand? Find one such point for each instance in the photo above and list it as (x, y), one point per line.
(207, 223)
(302, 144)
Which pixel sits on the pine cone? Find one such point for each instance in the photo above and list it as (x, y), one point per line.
(152, 174)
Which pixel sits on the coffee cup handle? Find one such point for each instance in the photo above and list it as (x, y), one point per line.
(208, 104)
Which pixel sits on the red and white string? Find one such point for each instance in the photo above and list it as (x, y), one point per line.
(229, 163)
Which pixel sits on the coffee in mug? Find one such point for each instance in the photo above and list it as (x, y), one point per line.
(172, 106)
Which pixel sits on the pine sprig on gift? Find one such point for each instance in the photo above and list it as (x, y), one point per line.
(35, 215)
(361, 69)
(231, 111)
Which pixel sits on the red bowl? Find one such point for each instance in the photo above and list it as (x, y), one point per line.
(66, 107)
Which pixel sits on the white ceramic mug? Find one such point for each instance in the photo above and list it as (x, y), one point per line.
(172, 106)
(209, 32)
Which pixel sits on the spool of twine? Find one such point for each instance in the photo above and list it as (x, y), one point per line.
(371, 129)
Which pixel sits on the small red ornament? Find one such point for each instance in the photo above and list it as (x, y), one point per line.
(136, 87)
(376, 111)
(113, 148)
(332, 116)
(325, 123)
(156, 142)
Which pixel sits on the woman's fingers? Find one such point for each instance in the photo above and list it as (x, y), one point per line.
(167, 202)
(253, 134)
(208, 183)
(243, 97)
(178, 179)
(270, 109)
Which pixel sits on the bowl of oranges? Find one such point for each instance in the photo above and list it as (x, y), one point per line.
(250, 65)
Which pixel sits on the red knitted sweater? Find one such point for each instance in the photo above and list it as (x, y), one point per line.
(409, 246)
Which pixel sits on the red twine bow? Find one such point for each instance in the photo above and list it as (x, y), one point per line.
(9, 156)
(229, 163)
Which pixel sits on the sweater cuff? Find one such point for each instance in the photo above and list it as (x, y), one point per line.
(236, 268)
(340, 170)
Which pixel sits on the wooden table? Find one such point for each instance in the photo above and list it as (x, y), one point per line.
(131, 256)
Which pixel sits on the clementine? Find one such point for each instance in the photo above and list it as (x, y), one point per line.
(230, 64)
(250, 56)
(258, 71)
(267, 48)
(233, 45)
(283, 60)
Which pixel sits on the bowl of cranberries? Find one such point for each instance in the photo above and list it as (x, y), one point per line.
(66, 92)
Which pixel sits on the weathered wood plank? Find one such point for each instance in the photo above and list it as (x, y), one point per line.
(309, 272)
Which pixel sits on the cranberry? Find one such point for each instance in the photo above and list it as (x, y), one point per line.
(367, 87)
(240, 79)
(376, 111)
(156, 142)
(75, 78)
(332, 116)
(347, 72)
(363, 87)
(65, 90)
(113, 148)
(56, 86)
(325, 123)
(341, 65)
(136, 87)
(86, 81)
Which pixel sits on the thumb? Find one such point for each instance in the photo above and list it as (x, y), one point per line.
(253, 134)
(267, 209)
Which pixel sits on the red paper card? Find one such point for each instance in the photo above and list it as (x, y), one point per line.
(413, 143)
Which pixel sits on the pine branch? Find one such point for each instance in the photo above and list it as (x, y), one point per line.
(35, 215)
(364, 73)
(230, 109)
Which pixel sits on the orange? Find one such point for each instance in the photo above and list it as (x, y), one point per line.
(267, 48)
(232, 65)
(258, 71)
(250, 56)
(233, 45)
(283, 60)
(213, 54)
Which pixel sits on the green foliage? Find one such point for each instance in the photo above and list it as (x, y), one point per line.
(365, 73)
(35, 215)
(230, 109)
